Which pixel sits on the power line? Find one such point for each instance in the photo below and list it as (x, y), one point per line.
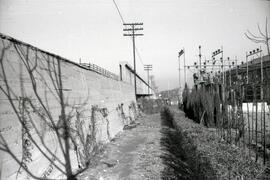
(138, 54)
(118, 10)
(123, 22)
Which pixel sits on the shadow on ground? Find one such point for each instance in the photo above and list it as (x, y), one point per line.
(180, 157)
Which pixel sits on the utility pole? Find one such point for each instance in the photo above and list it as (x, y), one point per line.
(223, 73)
(148, 67)
(252, 53)
(261, 73)
(200, 64)
(215, 53)
(179, 68)
(180, 53)
(185, 73)
(230, 73)
(133, 27)
(247, 66)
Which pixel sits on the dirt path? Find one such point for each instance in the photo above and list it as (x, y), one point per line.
(152, 150)
(134, 154)
(158, 149)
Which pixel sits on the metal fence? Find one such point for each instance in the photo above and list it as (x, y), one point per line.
(245, 121)
(100, 70)
(238, 108)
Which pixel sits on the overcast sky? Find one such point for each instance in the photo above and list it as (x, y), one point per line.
(92, 30)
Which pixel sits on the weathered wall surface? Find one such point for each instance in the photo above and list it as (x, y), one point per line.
(96, 109)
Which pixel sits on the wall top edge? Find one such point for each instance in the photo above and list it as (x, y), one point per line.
(16, 41)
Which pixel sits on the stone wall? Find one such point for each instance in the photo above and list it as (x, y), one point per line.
(38, 91)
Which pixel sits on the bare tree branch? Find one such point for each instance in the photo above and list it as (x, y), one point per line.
(262, 38)
(254, 40)
(251, 35)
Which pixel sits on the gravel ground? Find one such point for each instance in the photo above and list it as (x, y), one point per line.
(133, 154)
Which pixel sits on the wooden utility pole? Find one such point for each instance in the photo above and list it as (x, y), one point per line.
(148, 67)
(133, 27)
(180, 53)
(247, 66)
(185, 73)
(200, 64)
(223, 73)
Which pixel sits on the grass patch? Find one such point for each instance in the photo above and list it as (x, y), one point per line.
(180, 157)
(228, 161)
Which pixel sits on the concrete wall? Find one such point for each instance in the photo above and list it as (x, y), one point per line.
(127, 75)
(96, 108)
